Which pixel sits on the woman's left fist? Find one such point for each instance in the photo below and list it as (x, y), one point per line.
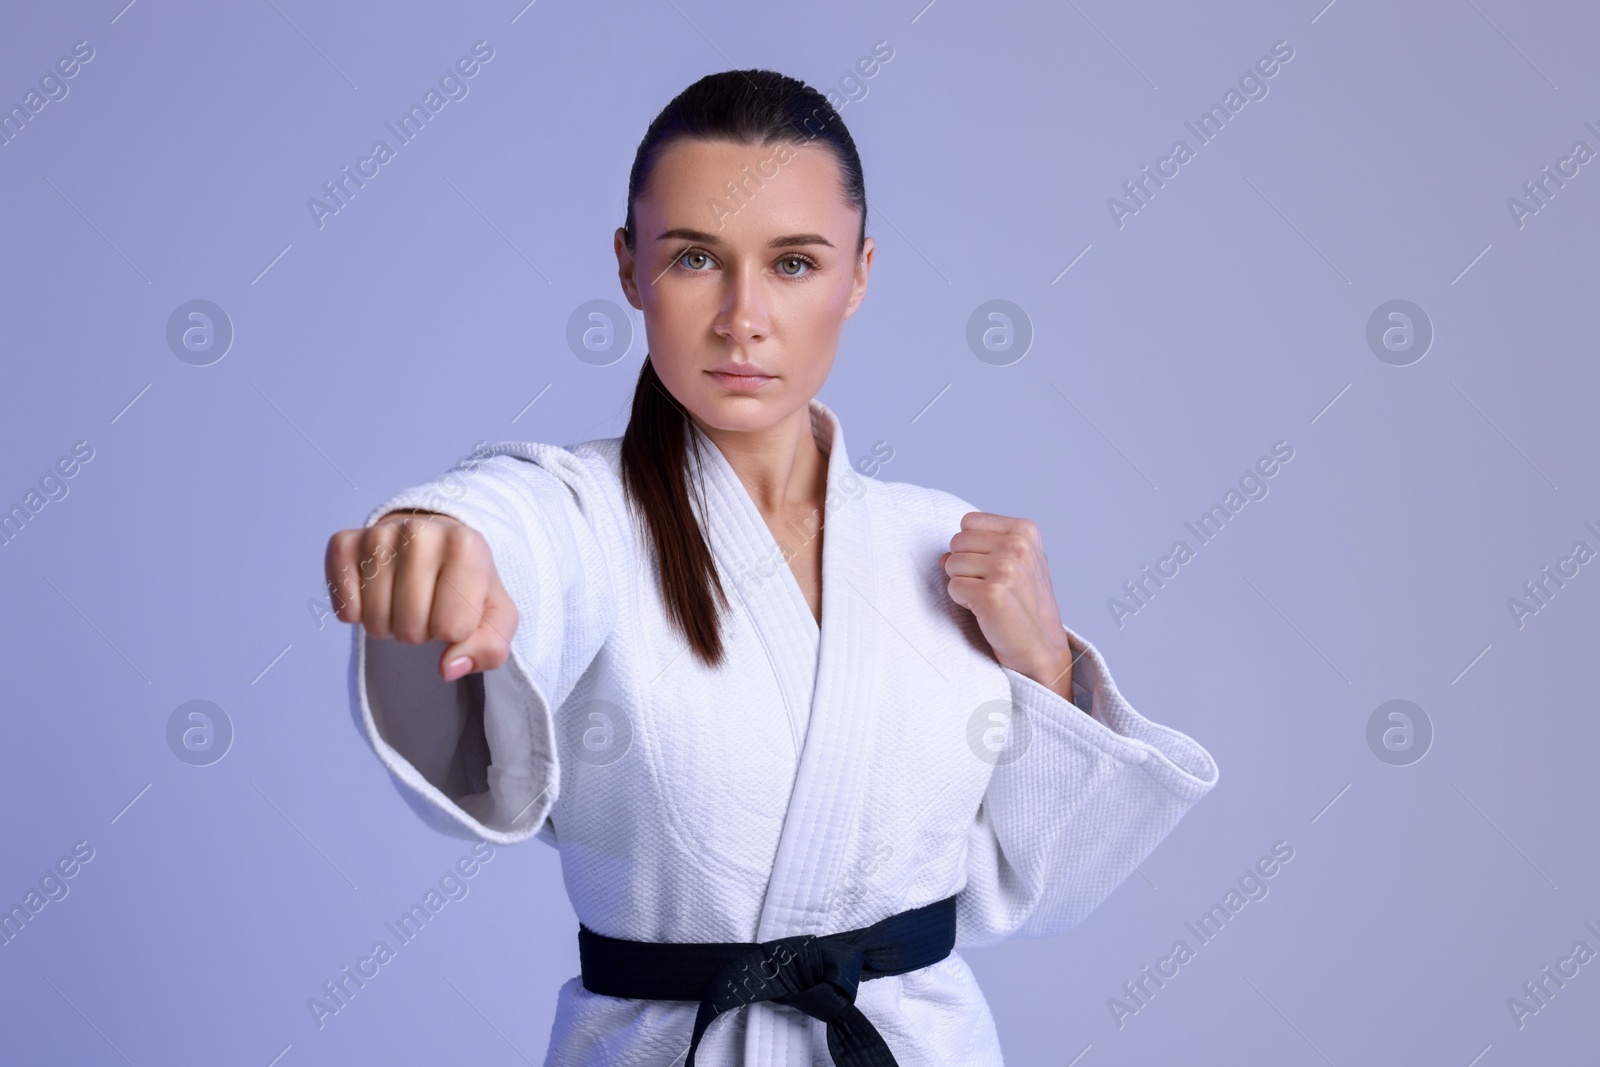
(998, 572)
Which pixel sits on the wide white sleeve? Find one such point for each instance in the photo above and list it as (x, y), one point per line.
(1094, 791)
(480, 753)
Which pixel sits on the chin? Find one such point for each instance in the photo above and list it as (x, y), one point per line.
(738, 413)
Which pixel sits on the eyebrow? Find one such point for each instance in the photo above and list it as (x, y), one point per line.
(786, 241)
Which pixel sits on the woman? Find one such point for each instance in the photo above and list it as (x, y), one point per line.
(882, 742)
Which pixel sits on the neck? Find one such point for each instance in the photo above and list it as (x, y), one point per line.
(781, 467)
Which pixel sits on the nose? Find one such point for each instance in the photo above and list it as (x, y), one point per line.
(743, 317)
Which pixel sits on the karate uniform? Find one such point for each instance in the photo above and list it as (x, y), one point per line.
(819, 780)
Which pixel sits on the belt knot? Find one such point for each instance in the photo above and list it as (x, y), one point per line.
(817, 975)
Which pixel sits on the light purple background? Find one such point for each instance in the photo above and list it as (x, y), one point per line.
(1226, 315)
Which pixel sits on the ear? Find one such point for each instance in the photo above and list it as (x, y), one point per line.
(858, 291)
(625, 268)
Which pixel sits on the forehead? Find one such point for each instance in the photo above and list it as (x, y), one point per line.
(780, 184)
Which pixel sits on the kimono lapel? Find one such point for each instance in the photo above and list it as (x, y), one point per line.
(832, 778)
(758, 581)
(829, 678)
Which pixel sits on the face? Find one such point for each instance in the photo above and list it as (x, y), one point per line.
(744, 299)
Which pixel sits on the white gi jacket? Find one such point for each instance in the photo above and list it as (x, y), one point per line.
(818, 781)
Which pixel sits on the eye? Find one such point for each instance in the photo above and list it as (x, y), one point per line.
(806, 262)
(694, 254)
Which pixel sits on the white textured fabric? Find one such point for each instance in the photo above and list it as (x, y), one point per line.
(816, 782)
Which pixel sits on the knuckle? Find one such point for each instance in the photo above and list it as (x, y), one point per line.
(409, 632)
(407, 626)
(453, 628)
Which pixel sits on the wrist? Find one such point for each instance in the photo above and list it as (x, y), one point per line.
(1054, 672)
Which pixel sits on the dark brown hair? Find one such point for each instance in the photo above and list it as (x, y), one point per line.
(754, 107)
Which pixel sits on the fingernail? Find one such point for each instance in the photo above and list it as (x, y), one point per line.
(457, 667)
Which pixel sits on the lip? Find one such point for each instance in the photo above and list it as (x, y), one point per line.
(729, 366)
(741, 377)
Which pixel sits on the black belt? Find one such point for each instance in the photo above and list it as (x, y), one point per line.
(817, 975)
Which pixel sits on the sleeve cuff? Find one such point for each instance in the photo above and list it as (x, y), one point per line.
(491, 769)
(1113, 727)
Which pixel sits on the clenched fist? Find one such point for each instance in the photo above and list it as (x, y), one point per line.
(998, 572)
(422, 576)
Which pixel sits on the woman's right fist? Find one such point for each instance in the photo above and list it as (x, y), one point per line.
(422, 576)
